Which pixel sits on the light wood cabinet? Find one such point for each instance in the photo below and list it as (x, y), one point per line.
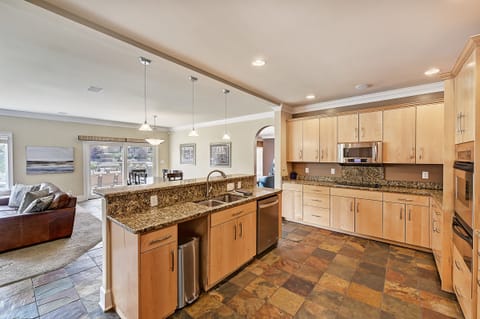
(370, 126)
(232, 241)
(462, 283)
(347, 128)
(316, 205)
(328, 139)
(406, 218)
(429, 134)
(294, 140)
(292, 202)
(368, 220)
(436, 236)
(399, 135)
(311, 136)
(343, 214)
(465, 101)
(144, 275)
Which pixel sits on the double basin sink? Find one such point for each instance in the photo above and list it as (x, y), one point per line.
(220, 200)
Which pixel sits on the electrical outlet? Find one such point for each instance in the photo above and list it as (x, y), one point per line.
(307, 170)
(230, 187)
(239, 184)
(425, 175)
(153, 200)
(332, 171)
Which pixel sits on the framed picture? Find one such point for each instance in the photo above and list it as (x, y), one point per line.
(49, 160)
(221, 154)
(187, 154)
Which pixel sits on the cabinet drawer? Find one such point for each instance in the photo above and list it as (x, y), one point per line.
(232, 213)
(310, 199)
(158, 238)
(316, 215)
(462, 283)
(316, 189)
(358, 193)
(292, 187)
(407, 199)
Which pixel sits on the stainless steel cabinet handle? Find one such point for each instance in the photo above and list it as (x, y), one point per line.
(409, 214)
(358, 206)
(363, 131)
(351, 206)
(401, 213)
(316, 215)
(301, 154)
(321, 154)
(172, 254)
(458, 292)
(268, 205)
(235, 232)
(241, 230)
(456, 265)
(355, 132)
(159, 240)
(316, 154)
(237, 213)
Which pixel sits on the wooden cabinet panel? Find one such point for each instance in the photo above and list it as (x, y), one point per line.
(394, 221)
(462, 283)
(370, 126)
(465, 102)
(322, 201)
(316, 190)
(328, 139)
(298, 206)
(316, 215)
(158, 281)
(232, 213)
(294, 140)
(436, 235)
(311, 136)
(358, 193)
(429, 132)
(399, 135)
(417, 227)
(292, 202)
(157, 238)
(406, 199)
(347, 128)
(246, 245)
(369, 217)
(222, 250)
(343, 215)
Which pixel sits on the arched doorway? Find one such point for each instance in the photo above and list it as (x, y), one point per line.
(265, 156)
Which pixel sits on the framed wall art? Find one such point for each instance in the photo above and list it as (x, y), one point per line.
(187, 153)
(221, 154)
(49, 160)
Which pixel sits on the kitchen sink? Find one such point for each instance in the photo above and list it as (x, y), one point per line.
(210, 203)
(228, 198)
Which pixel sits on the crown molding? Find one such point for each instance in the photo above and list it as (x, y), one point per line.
(373, 97)
(239, 119)
(71, 119)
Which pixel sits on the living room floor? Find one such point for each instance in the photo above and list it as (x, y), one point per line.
(313, 273)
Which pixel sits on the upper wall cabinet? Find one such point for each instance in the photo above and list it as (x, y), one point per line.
(399, 135)
(303, 140)
(465, 102)
(294, 140)
(328, 139)
(360, 127)
(429, 133)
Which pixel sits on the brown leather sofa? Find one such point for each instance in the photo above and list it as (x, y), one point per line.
(21, 230)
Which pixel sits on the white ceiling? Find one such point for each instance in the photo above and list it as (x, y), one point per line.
(320, 47)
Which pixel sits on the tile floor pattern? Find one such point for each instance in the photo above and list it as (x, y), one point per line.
(313, 273)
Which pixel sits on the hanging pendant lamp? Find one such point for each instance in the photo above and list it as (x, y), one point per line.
(145, 126)
(225, 137)
(193, 132)
(154, 141)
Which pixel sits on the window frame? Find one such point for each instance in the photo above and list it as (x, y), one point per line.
(9, 143)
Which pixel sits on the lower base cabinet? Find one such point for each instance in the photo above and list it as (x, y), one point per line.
(292, 201)
(144, 276)
(343, 214)
(233, 238)
(462, 283)
(368, 219)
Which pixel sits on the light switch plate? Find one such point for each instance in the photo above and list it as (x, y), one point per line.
(153, 200)
(230, 187)
(332, 171)
(425, 175)
(307, 170)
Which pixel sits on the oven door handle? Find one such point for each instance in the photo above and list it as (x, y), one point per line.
(458, 229)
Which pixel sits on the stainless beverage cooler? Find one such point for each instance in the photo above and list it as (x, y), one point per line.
(188, 271)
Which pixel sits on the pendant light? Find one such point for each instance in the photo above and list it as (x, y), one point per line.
(193, 132)
(225, 137)
(154, 141)
(145, 126)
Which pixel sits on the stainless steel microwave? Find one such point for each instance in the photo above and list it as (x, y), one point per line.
(360, 153)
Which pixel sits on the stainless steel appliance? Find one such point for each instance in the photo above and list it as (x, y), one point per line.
(360, 153)
(188, 271)
(463, 240)
(464, 191)
(267, 223)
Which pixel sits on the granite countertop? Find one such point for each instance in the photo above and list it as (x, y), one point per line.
(156, 218)
(437, 195)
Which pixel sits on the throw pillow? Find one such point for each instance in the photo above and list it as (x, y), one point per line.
(18, 192)
(60, 200)
(39, 204)
(30, 197)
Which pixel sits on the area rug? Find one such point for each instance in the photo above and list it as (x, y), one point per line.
(38, 259)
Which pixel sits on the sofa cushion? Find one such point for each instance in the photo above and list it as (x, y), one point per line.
(18, 192)
(60, 200)
(30, 197)
(39, 204)
(50, 187)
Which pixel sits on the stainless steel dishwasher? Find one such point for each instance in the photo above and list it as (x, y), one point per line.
(267, 223)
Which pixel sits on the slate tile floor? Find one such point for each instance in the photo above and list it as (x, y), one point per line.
(312, 273)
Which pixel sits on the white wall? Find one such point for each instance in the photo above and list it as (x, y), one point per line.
(34, 132)
(243, 141)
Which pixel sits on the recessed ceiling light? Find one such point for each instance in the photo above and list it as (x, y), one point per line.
(310, 96)
(362, 86)
(432, 71)
(258, 62)
(94, 89)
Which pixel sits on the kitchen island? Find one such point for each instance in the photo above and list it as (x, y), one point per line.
(140, 239)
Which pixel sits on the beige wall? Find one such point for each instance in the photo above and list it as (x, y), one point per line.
(243, 145)
(33, 132)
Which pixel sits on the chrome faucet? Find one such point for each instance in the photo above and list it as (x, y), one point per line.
(209, 188)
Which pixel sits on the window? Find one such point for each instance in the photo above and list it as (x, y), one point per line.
(6, 168)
